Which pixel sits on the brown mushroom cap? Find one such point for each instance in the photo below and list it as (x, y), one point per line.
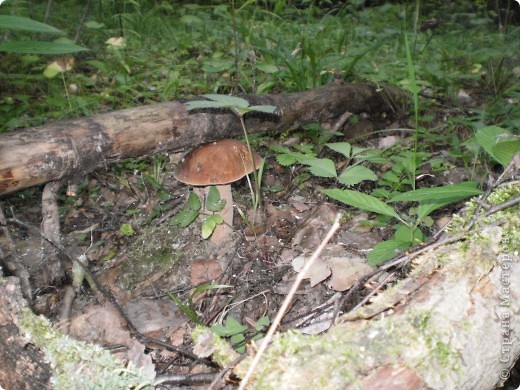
(217, 163)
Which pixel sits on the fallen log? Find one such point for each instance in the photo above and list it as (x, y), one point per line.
(69, 149)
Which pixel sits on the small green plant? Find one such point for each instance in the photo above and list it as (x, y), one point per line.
(354, 173)
(213, 203)
(407, 232)
(239, 334)
(239, 107)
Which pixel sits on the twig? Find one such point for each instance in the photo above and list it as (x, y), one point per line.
(220, 376)
(287, 302)
(185, 379)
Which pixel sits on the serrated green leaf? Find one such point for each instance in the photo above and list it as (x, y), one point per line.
(385, 251)
(361, 201)
(184, 218)
(39, 47)
(343, 148)
(322, 167)
(453, 193)
(20, 23)
(355, 175)
(209, 224)
(213, 201)
(286, 159)
(194, 202)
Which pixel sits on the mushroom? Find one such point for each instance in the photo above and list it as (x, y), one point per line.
(219, 164)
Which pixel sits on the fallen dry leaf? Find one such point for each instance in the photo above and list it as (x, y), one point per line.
(344, 269)
(204, 271)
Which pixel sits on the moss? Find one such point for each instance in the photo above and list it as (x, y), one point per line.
(76, 364)
(154, 251)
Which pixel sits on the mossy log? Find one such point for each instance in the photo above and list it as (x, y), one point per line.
(34, 355)
(71, 148)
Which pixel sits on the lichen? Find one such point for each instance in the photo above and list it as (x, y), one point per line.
(76, 364)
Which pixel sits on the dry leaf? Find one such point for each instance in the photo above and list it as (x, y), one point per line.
(344, 270)
(318, 272)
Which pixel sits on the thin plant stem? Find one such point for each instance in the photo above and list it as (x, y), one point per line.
(256, 190)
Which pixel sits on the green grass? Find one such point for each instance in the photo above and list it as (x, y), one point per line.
(177, 51)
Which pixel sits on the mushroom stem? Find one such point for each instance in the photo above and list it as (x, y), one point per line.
(223, 232)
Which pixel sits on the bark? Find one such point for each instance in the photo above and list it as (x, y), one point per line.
(70, 149)
(23, 365)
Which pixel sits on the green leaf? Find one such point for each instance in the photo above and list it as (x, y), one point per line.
(198, 104)
(266, 109)
(94, 25)
(452, 193)
(362, 201)
(286, 159)
(505, 149)
(322, 167)
(20, 23)
(371, 155)
(184, 218)
(406, 234)
(209, 224)
(194, 202)
(39, 47)
(228, 101)
(385, 251)
(190, 313)
(343, 148)
(356, 174)
(231, 328)
(488, 137)
(267, 68)
(213, 201)
(262, 323)
(425, 208)
(126, 229)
